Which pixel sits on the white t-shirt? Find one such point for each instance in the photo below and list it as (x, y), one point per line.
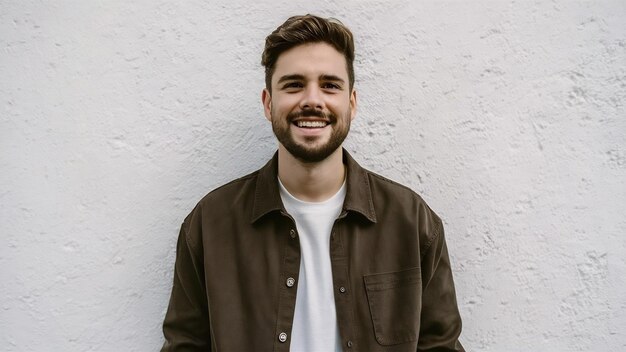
(315, 320)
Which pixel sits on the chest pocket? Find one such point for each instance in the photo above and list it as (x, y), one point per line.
(395, 305)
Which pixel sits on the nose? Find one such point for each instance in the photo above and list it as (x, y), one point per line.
(312, 99)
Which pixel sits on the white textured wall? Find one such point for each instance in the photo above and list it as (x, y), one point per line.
(116, 117)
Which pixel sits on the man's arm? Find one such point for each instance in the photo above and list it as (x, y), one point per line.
(440, 321)
(186, 324)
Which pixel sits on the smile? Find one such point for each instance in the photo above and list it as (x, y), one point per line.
(311, 124)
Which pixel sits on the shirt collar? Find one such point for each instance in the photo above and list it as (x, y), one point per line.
(358, 192)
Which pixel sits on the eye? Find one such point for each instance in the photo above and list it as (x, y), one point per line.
(329, 85)
(292, 85)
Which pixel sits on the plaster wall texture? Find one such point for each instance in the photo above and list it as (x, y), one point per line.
(508, 117)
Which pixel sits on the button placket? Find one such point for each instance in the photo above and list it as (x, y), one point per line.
(343, 300)
(289, 273)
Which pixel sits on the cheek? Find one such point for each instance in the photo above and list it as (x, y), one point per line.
(284, 105)
(339, 105)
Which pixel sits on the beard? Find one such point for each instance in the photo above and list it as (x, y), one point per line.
(303, 151)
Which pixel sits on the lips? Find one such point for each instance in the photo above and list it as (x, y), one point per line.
(311, 119)
(310, 123)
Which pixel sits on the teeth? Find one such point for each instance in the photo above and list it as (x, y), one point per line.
(311, 124)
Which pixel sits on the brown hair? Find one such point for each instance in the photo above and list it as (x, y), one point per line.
(298, 30)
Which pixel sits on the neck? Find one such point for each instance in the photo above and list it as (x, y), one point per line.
(311, 182)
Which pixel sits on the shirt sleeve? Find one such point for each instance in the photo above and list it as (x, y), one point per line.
(186, 323)
(440, 320)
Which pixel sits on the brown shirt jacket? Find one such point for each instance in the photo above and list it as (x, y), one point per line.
(238, 257)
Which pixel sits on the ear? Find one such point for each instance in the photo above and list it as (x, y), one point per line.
(352, 104)
(266, 99)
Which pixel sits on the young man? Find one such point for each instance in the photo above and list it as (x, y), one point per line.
(312, 252)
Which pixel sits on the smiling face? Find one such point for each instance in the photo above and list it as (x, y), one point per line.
(311, 104)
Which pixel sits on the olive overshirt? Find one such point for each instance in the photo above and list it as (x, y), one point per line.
(238, 258)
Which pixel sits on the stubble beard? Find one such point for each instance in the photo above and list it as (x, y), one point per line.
(303, 151)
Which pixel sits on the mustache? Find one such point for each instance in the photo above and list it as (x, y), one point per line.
(311, 113)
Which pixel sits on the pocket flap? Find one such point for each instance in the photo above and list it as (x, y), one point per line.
(395, 305)
(383, 281)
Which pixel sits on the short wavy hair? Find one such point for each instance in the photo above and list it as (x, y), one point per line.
(298, 30)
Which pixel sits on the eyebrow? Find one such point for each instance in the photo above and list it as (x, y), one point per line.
(297, 77)
(332, 78)
(291, 78)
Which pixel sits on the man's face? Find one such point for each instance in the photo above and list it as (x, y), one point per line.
(311, 105)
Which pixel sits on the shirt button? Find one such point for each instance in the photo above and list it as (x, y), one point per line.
(292, 233)
(342, 289)
(282, 337)
(349, 344)
(290, 282)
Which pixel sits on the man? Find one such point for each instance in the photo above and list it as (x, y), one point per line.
(311, 252)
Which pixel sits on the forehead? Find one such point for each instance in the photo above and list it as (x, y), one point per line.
(311, 60)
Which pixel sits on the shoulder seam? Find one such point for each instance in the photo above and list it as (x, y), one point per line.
(433, 238)
(383, 178)
(188, 242)
(240, 179)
